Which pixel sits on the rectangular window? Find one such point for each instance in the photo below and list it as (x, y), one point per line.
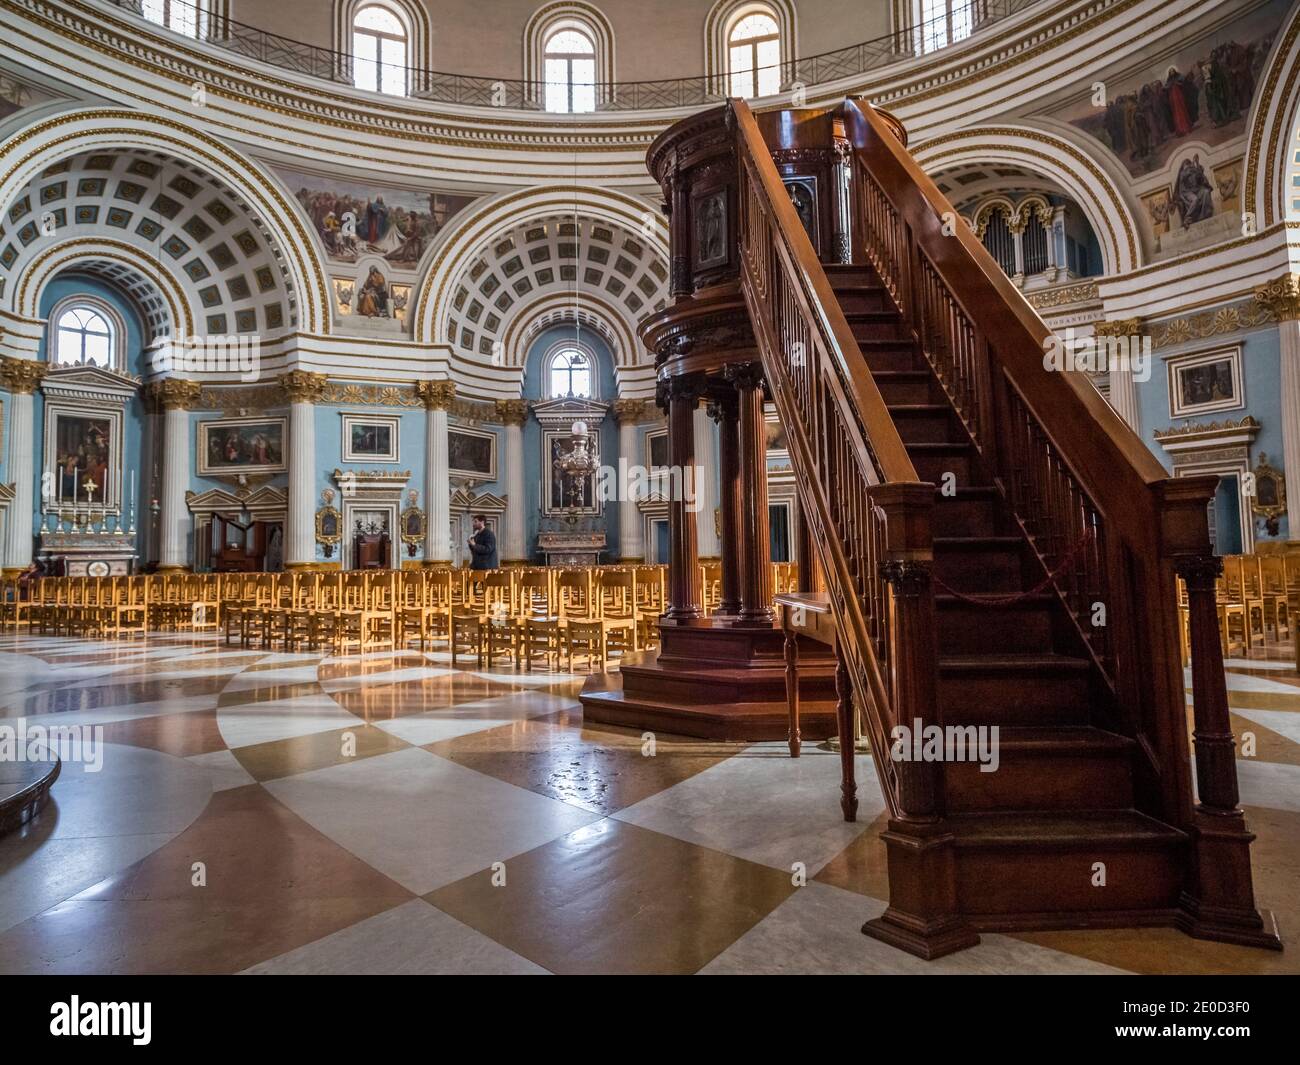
(365, 65)
(584, 85)
(742, 72)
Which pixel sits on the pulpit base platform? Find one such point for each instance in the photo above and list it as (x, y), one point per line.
(716, 681)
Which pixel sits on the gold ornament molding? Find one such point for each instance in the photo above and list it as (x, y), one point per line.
(175, 393)
(302, 386)
(1281, 297)
(436, 395)
(512, 411)
(1211, 324)
(21, 376)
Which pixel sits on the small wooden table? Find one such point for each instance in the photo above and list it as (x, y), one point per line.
(809, 614)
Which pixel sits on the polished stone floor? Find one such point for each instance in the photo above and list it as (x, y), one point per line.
(294, 813)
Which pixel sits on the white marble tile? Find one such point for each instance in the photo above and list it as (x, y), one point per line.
(269, 678)
(764, 806)
(280, 719)
(413, 939)
(1283, 722)
(377, 679)
(817, 931)
(422, 820)
(1271, 784)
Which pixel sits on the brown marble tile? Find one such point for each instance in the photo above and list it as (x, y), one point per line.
(1270, 746)
(614, 898)
(381, 702)
(273, 884)
(318, 750)
(192, 732)
(55, 699)
(270, 693)
(599, 770)
(862, 865)
(363, 667)
(1264, 700)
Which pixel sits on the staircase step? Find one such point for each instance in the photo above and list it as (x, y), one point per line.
(973, 510)
(1044, 768)
(885, 355)
(907, 386)
(925, 423)
(1011, 689)
(932, 461)
(980, 563)
(1037, 869)
(875, 325)
(987, 627)
(856, 297)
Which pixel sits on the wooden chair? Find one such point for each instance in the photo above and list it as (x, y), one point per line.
(541, 628)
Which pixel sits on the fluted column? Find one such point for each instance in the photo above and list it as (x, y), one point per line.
(723, 410)
(1123, 388)
(438, 397)
(176, 397)
(707, 488)
(22, 377)
(303, 390)
(513, 413)
(631, 540)
(755, 534)
(1282, 297)
(683, 558)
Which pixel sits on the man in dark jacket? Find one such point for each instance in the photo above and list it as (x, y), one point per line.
(482, 545)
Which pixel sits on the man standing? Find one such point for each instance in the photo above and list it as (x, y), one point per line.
(482, 545)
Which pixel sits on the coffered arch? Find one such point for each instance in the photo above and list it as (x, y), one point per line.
(1061, 161)
(514, 248)
(218, 173)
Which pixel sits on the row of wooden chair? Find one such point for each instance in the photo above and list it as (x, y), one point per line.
(1253, 598)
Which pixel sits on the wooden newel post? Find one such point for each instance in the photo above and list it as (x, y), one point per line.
(1218, 900)
(1215, 747)
(922, 917)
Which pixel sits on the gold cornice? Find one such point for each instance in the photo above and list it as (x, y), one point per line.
(1195, 429)
(629, 411)
(1281, 297)
(1210, 324)
(1118, 327)
(175, 393)
(21, 376)
(512, 411)
(302, 386)
(437, 395)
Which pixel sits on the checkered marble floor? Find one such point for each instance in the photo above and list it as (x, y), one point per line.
(295, 813)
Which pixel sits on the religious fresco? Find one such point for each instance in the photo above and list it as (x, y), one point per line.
(15, 95)
(353, 220)
(1203, 93)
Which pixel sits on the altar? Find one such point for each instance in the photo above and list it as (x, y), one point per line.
(571, 548)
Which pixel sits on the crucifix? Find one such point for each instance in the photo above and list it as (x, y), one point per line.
(91, 488)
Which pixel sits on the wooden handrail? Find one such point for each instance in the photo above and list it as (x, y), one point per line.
(868, 511)
(1084, 488)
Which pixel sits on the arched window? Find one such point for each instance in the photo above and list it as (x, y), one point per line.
(379, 50)
(83, 334)
(569, 374)
(569, 68)
(945, 22)
(179, 15)
(754, 56)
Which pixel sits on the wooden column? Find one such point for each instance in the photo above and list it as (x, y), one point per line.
(755, 543)
(684, 592)
(723, 410)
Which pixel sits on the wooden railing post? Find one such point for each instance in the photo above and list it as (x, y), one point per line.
(922, 917)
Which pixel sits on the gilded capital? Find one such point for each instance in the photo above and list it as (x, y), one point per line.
(175, 393)
(1119, 327)
(1281, 297)
(629, 411)
(437, 395)
(21, 375)
(302, 386)
(512, 411)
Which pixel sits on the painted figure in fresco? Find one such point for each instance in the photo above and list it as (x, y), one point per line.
(373, 301)
(1193, 193)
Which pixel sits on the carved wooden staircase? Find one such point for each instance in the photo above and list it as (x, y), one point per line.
(1000, 551)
